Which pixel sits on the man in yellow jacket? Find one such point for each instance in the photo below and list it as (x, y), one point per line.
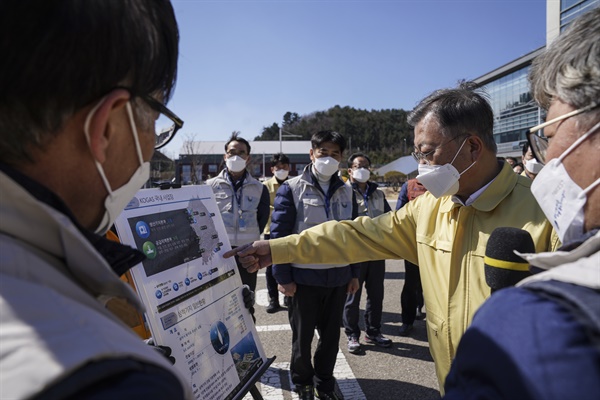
(445, 230)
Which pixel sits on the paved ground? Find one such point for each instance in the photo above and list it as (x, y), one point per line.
(404, 371)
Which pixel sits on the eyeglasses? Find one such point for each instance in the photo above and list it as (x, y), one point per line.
(167, 124)
(418, 156)
(539, 144)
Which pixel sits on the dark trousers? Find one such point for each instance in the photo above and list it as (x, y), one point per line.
(272, 285)
(271, 282)
(315, 307)
(372, 274)
(247, 277)
(412, 293)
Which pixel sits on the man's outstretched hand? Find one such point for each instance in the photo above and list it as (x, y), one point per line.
(253, 256)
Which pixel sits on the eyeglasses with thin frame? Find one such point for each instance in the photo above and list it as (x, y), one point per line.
(539, 144)
(167, 124)
(418, 156)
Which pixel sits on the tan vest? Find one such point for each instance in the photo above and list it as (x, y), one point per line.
(375, 207)
(241, 220)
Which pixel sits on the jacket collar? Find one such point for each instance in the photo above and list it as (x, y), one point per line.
(502, 185)
(579, 266)
(334, 183)
(120, 257)
(371, 187)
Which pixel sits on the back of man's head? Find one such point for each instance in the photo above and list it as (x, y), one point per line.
(328, 136)
(569, 69)
(458, 111)
(61, 55)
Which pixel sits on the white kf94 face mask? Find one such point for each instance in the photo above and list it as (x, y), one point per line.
(441, 180)
(533, 166)
(235, 164)
(361, 175)
(560, 198)
(117, 199)
(281, 174)
(326, 166)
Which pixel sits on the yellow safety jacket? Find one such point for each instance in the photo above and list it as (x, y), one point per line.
(446, 239)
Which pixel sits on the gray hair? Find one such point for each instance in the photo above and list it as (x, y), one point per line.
(569, 69)
(459, 111)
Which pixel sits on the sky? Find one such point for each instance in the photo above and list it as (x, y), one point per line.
(243, 64)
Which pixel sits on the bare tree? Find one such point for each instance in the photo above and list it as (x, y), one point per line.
(193, 156)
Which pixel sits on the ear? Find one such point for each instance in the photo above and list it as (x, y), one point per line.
(475, 147)
(102, 123)
(311, 155)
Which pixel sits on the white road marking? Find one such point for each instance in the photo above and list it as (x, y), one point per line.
(273, 328)
(262, 297)
(271, 386)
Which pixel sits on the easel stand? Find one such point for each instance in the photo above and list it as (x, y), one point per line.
(250, 385)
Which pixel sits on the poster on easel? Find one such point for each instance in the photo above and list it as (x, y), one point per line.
(192, 294)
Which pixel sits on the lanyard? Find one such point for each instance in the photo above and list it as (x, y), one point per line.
(366, 200)
(327, 206)
(238, 196)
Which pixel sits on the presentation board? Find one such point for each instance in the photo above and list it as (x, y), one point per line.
(192, 294)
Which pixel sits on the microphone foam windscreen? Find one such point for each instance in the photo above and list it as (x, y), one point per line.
(503, 267)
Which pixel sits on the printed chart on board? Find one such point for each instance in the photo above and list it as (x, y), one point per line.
(192, 294)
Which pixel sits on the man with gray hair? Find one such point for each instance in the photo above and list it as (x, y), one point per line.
(469, 194)
(82, 85)
(548, 343)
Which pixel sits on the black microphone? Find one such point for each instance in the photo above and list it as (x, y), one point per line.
(503, 268)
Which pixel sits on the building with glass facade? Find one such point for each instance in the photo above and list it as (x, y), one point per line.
(514, 109)
(559, 14)
(508, 88)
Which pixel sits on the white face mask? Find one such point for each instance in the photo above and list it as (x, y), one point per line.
(235, 164)
(281, 174)
(116, 200)
(533, 166)
(326, 166)
(361, 175)
(560, 198)
(441, 180)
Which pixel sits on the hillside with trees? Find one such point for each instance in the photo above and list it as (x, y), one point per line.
(383, 134)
